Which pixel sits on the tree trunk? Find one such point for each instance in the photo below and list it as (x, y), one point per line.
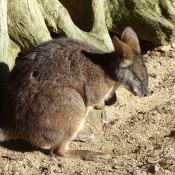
(4, 40)
(152, 20)
(31, 21)
(27, 23)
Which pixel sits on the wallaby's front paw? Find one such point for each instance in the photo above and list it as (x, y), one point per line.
(99, 106)
(111, 100)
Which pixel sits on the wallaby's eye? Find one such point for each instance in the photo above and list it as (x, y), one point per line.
(137, 78)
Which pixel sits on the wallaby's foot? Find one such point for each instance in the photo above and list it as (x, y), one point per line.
(99, 106)
(62, 150)
(83, 154)
(88, 155)
(84, 137)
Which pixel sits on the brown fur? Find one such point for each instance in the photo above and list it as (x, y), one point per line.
(48, 93)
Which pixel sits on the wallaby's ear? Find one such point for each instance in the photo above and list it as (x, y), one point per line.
(118, 47)
(120, 50)
(130, 37)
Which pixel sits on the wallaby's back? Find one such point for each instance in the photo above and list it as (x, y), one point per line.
(36, 86)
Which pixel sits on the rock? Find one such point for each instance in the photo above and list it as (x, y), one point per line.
(163, 48)
(173, 45)
(95, 117)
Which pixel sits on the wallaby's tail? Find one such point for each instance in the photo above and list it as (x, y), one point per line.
(3, 135)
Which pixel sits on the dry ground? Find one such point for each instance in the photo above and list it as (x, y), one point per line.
(140, 134)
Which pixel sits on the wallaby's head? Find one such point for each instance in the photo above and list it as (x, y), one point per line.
(131, 72)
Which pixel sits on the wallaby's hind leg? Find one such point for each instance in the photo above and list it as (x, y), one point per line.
(62, 149)
(69, 121)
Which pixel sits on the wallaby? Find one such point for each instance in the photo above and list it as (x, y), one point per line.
(49, 93)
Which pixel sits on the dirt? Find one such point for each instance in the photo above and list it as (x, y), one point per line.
(138, 132)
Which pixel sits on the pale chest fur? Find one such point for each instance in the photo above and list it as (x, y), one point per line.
(111, 91)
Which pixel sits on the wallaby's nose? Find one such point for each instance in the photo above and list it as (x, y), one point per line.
(145, 90)
(146, 94)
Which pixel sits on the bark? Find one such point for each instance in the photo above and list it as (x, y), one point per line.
(153, 20)
(4, 39)
(31, 21)
(26, 25)
(61, 23)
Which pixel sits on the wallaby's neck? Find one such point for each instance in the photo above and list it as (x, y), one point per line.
(108, 62)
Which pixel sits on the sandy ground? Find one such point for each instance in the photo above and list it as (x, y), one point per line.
(138, 132)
